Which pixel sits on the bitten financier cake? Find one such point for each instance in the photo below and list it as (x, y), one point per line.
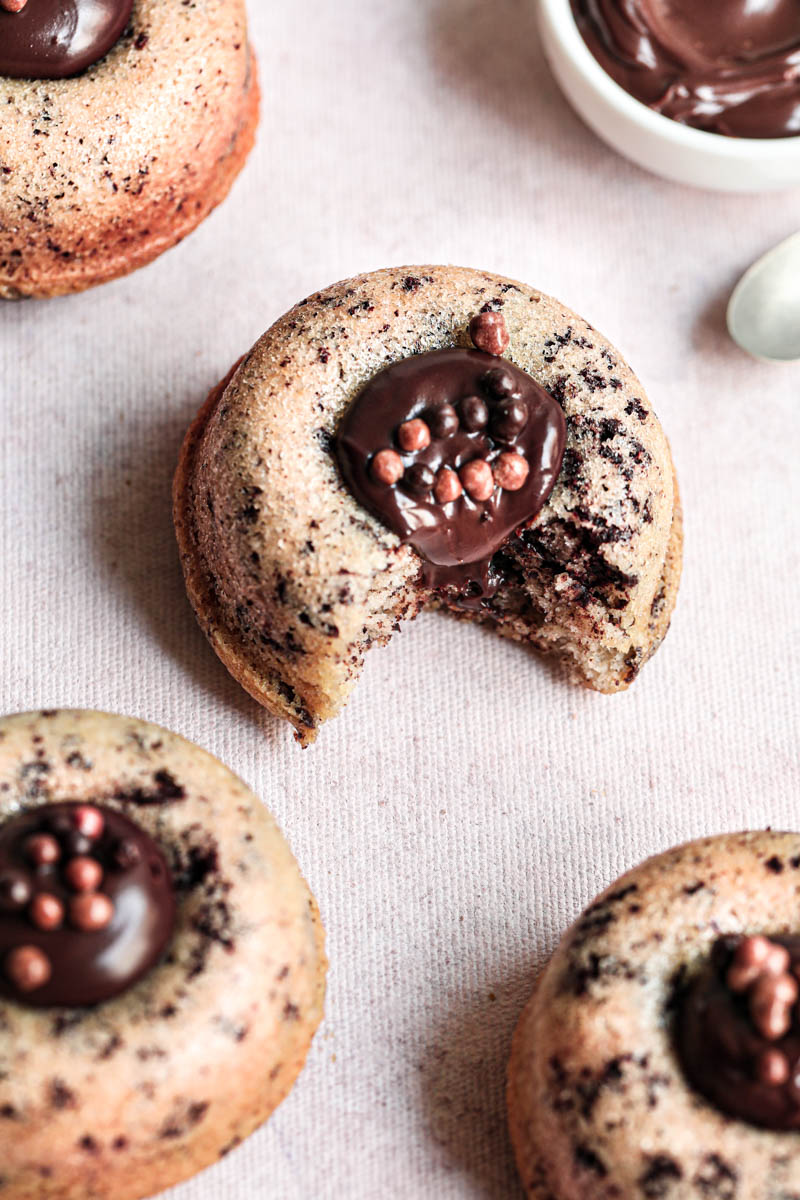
(124, 123)
(161, 961)
(418, 436)
(659, 1056)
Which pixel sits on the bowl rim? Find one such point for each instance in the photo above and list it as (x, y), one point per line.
(564, 26)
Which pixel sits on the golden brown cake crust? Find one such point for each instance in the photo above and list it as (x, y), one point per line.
(101, 173)
(292, 580)
(599, 1106)
(125, 1099)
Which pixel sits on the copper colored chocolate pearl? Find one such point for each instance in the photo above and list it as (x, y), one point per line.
(738, 1030)
(46, 911)
(88, 821)
(42, 850)
(510, 471)
(387, 467)
(489, 333)
(477, 478)
(772, 1068)
(13, 6)
(413, 435)
(448, 486)
(77, 929)
(91, 911)
(28, 968)
(455, 451)
(83, 874)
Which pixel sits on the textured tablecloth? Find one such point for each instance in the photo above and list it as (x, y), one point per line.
(469, 802)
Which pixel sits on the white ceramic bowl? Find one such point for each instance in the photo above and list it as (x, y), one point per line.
(678, 152)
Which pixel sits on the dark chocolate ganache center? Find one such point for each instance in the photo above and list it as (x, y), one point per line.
(453, 450)
(53, 39)
(738, 1030)
(727, 66)
(86, 905)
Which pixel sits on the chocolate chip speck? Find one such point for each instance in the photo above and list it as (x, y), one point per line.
(78, 762)
(168, 787)
(636, 408)
(590, 1161)
(60, 1095)
(656, 1181)
(184, 1119)
(716, 1179)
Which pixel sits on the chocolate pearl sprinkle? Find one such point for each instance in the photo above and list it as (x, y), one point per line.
(13, 6)
(509, 419)
(474, 413)
(489, 332)
(46, 911)
(83, 874)
(784, 989)
(510, 471)
(447, 487)
(771, 999)
(419, 479)
(477, 478)
(748, 962)
(42, 849)
(91, 911)
(773, 1068)
(443, 421)
(89, 821)
(387, 467)
(413, 435)
(499, 382)
(777, 961)
(28, 968)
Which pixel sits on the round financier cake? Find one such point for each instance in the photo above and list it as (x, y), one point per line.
(659, 1055)
(425, 436)
(161, 959)
(124, 124)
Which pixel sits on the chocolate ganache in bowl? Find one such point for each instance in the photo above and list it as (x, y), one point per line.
(730, 67)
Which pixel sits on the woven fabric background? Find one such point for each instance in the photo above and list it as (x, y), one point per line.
(469, 802)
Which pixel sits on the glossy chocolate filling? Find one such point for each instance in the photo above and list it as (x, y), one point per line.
(53, 39)
(725, 1054)
(475, 406)
(86, 905)
(726, 66)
